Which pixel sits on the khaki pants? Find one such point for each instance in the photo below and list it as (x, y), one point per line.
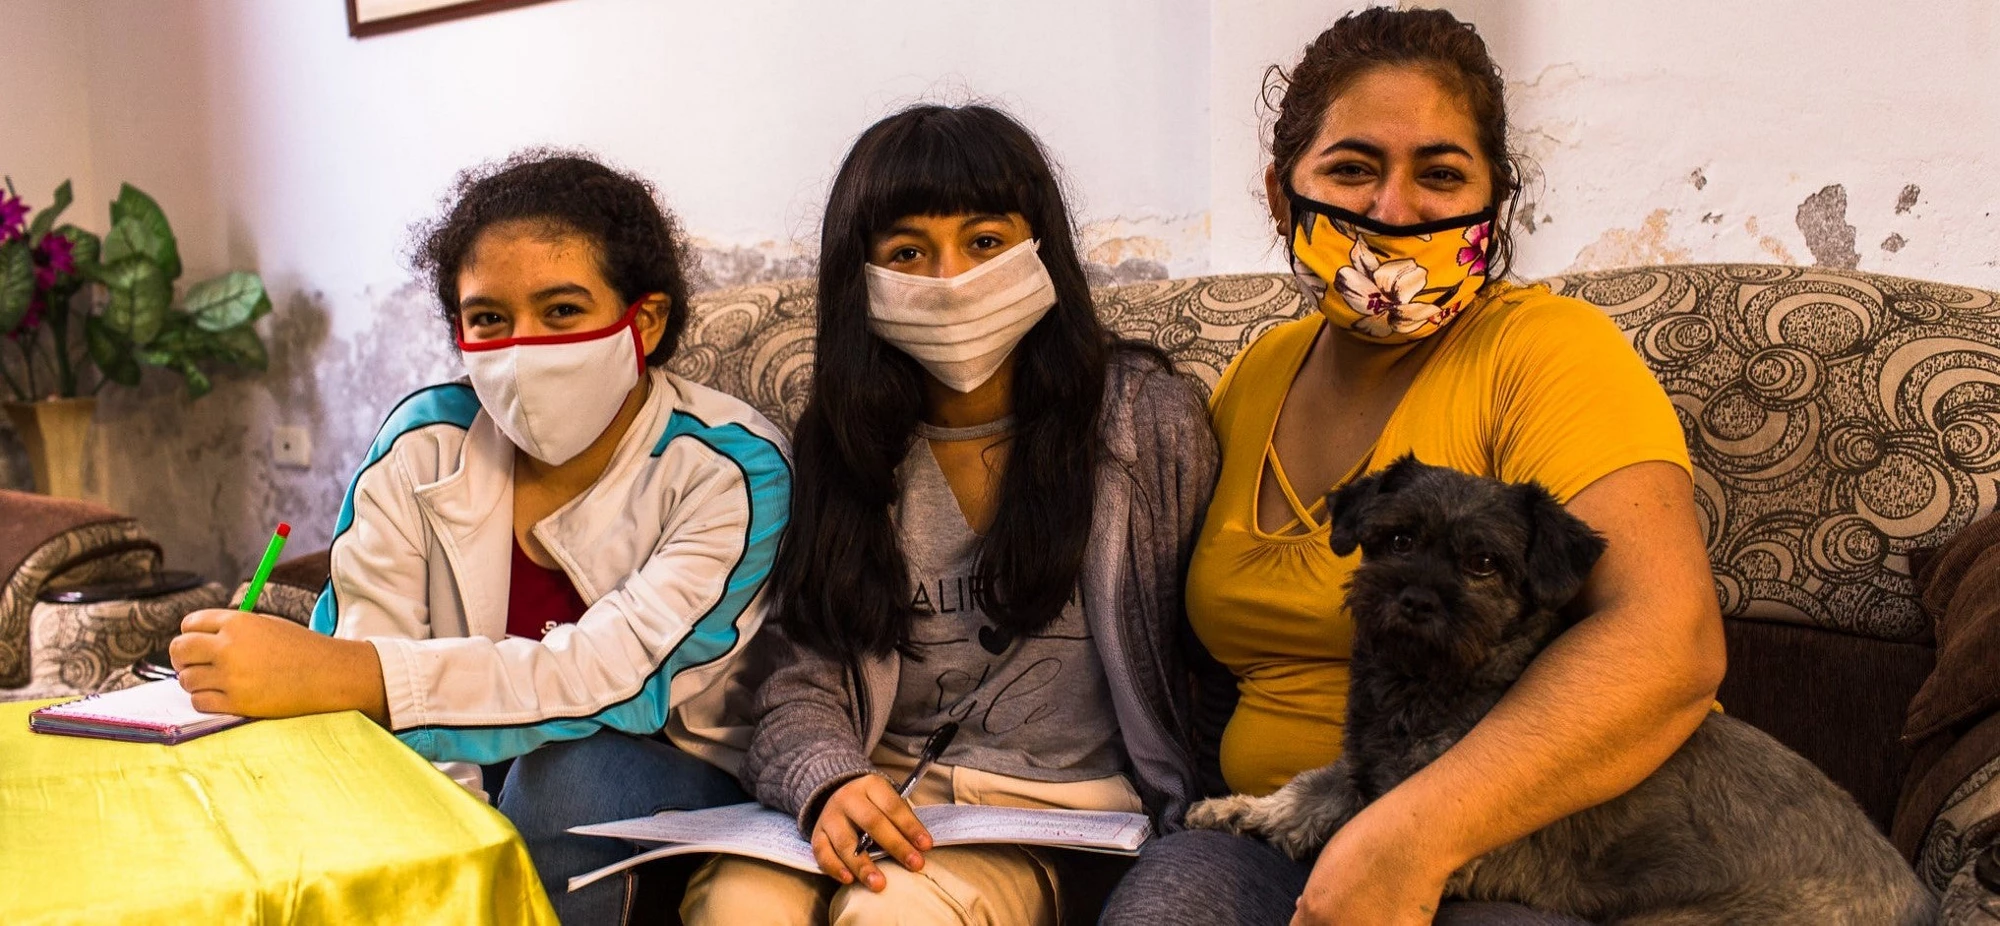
(987, 885)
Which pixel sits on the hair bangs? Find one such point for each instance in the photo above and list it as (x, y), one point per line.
(945, 163)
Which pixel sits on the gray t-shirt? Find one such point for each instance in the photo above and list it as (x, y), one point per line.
(1035, 708)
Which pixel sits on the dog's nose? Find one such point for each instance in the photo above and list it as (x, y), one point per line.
(1419, 602)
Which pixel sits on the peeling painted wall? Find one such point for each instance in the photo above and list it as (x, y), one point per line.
(1836, 133)
(276, 143)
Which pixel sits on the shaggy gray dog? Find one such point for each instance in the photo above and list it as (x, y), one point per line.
(1462, 581)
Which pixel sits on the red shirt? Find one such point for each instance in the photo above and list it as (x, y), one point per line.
(539, 598)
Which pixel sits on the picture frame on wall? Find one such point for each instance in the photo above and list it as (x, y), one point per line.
(374, 17)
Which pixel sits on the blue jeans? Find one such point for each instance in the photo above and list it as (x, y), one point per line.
(1206, 878)
(603, 777)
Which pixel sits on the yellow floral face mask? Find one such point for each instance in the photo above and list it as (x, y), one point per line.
(1390, 284)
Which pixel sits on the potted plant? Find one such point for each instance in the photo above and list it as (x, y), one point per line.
(66, 348)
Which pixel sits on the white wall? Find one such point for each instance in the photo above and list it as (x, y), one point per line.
(1848, 134)
(44, 102)
(277, 143)
(1701, 130)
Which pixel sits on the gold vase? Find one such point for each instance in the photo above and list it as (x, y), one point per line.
(55, 431)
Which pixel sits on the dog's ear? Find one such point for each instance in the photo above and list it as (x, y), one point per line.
(1349, 505)
(1561, 548)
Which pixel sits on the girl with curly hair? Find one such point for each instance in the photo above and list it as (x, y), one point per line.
(551, 563)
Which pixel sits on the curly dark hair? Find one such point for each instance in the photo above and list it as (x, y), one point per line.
(1434, 40)
(640, 248)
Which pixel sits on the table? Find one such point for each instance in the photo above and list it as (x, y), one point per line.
(323, 819)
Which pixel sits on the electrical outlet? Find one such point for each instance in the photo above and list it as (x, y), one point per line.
(292, 446)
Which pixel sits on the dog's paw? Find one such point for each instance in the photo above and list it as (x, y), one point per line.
(1298, 838)
(1238, 814)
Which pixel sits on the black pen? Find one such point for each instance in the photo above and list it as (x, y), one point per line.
(933, 747)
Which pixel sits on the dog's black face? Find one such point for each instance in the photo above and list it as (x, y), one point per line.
(1457, 568)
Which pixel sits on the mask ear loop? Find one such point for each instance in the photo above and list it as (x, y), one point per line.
(638, 342)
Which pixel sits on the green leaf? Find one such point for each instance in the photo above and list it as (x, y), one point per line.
(130, 237)
(224, 302)
(110, 352)
(134, 204)
(262, 308)
(239, 346)
(198, 382)
(46, 219)
(139, 296)
(17, 283)
(84, 247)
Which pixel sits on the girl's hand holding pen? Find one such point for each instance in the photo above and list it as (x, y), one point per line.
(868, 804)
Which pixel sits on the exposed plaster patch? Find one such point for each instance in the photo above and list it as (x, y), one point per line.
(198, 475)
(722, 266)
(1893, 243)
(1131, 249)
(1907, 200)
(1822, 218)
(1127, 259)
(1626, 247)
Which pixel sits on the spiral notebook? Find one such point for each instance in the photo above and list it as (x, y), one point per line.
(759, 832)
(156, 712)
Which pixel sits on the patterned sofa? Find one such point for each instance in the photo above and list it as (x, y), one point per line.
(1839, 422)
(51, 650)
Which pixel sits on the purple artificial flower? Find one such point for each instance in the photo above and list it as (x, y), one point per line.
(59, 253)
(55, 257)
(13, 217)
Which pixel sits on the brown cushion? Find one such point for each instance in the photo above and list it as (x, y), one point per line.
(1835, 698)
(28, 520)
(1961, 591)
(307, 572)
(1945, 811)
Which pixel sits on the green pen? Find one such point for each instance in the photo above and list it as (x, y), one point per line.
(271, 551)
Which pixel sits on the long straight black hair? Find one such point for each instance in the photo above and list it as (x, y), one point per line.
(843, 585)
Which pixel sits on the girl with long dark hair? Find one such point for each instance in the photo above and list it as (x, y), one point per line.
(993, 509)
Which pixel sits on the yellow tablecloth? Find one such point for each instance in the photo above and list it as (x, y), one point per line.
(323, 819)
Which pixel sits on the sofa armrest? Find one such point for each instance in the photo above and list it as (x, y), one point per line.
(1950, 813)
(1973, 899)
(49, 542)
(87, 647)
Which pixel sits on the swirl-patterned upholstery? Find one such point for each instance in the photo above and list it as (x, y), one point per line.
(52, 650)
(1837, 421)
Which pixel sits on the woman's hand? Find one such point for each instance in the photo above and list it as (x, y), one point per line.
(867, 804)
(1374, 873)
(256, 665)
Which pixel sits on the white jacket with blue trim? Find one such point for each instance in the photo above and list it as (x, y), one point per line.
(670, 549)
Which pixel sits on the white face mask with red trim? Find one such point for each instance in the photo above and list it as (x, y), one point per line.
(554, 395)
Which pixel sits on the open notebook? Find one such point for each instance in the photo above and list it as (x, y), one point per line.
(156, 712)
(759, 832)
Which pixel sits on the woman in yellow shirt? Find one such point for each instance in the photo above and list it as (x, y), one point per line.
(1388, 182)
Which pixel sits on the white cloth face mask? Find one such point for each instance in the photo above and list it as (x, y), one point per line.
(554, 395)
(962, 328)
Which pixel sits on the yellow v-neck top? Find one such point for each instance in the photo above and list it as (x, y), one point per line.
(1525, 385)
